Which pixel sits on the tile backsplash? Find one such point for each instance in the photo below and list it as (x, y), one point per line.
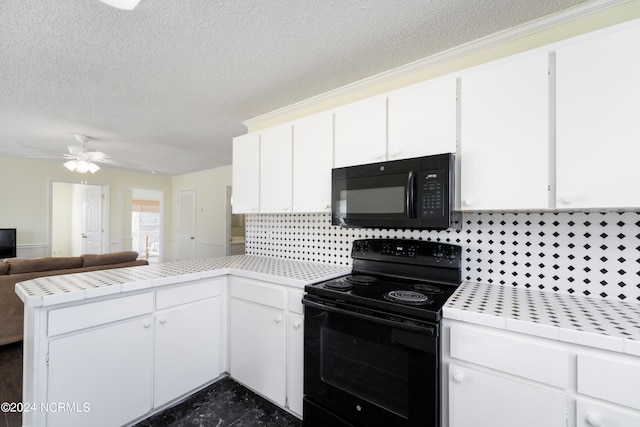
(583, 253)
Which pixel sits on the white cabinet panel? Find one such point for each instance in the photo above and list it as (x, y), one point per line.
(480, 399)
(257, 345)
(508, 354)
(422, 119)
(108, 368)
(295, 365)
(504, 140)
(312, 163)
(361, 132)
(598, 131)
(276, 169)
(246, 173)
(613, 380)
(591, 414)
(187, 348)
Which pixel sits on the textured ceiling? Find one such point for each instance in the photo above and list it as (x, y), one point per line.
(166, 86)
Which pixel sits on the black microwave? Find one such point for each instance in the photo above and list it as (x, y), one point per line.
(415, 193)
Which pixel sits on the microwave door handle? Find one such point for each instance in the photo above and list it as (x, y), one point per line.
(411, 194)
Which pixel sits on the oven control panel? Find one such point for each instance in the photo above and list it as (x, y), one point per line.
(407, 251)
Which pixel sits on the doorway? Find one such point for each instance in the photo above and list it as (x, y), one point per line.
(78, 218)
(142, 221)
(235, 228)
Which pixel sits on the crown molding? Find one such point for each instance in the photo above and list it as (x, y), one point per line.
(467, 49)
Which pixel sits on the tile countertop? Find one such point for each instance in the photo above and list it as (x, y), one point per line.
(605, 324)
(51, 290)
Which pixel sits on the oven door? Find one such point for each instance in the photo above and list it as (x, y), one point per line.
(365, 370)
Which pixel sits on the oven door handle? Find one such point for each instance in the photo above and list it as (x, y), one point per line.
(431, 331)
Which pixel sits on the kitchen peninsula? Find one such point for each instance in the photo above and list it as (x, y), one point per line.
(112, 347)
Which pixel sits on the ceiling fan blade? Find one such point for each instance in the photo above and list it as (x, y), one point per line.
(95, 156)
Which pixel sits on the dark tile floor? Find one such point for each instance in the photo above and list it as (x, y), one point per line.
(224, 403)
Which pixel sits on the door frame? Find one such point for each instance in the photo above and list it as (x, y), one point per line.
(106, 192)
(162, 218)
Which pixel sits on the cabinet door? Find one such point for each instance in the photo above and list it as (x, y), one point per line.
(246, 173)
(504, 139)
(187, 349)
(258, 348)
(312, 163)
(597, 124)
(109, 369)
(422, 119)
(481, 399)
(361, 132)
(295, 377)
(591, 414)
(276, 166)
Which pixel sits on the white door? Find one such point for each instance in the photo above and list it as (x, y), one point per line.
(92, 220)
(187, 225)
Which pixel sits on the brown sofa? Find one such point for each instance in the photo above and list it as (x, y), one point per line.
(15, 270)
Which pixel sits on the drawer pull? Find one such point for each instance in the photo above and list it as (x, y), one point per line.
(458, 377)
(594, 420)
(296, 325)
(278, 319)
(146, 324)
(162, 320)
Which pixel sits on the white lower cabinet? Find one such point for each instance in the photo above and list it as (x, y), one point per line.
(187, 349)
(479, 398)
(105, 373)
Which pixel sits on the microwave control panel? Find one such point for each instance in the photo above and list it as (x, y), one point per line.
(431, 191)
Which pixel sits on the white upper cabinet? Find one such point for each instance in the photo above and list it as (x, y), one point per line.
(312, 163)
(422, 119)
(598, 121)
(246, 173)
(361, 132)
(276, 169)
(504, 139)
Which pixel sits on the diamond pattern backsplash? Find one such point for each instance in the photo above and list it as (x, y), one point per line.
(584, 253)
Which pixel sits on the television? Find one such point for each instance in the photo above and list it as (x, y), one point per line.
(7, 243)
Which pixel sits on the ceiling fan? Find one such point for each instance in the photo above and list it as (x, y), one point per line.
(82, 160)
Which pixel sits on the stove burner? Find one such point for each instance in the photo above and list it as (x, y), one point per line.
(429, 289)
(407, 297)
(338, 285)
(361, 280)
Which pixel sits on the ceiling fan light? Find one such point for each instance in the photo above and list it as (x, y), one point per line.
(82, 167)
(71, 165)
(122, 4)
(93, 168)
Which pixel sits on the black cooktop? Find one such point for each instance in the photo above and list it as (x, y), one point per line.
(396, 276)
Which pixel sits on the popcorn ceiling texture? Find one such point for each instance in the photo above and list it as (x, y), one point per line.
(583, 253)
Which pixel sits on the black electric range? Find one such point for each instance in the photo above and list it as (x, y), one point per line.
(407, 277)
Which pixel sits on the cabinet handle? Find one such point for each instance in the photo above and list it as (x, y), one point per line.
(278, 319)
(296, 325)
(567, 199)
(458, 377)
(468, 202)
(162, 320)
(594, 420)
(394, 153)
(327, 207)
(146, 324)
(287, 208)
(254, 209)
(379, 156)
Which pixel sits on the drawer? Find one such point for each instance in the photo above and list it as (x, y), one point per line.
(612, 380)
(295, 301)
(189, 293)
(509, 354)
(258, 292)
(98, 313)
(590, 414)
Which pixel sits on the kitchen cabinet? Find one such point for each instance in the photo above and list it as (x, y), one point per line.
(504, 139)
(422, 119)
(593, 414)
(246, 173)
(276, 169)
(361, 132)
(295, 356)
(597, 126)
(257, 338)
(312, 163)
(188, 343)
(478, 398)
(100, 369)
